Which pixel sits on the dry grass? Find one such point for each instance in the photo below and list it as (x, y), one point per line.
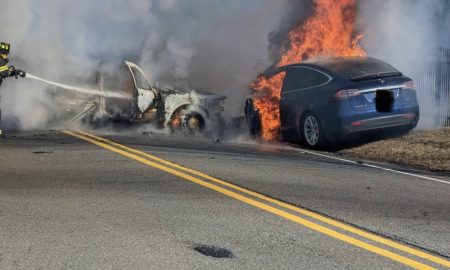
(424, 149)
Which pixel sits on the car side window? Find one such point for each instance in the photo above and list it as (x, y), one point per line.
(298, 78)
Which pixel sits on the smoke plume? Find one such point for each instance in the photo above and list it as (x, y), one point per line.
(212, 45)
(406, 34)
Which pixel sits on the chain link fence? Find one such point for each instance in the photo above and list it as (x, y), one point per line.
(433, 89)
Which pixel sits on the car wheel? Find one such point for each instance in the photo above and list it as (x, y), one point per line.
(253, 119)
(194, 122)
(311, 131)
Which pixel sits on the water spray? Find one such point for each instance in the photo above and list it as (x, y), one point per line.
(88, 91)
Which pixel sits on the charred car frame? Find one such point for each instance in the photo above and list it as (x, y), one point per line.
(164, 107)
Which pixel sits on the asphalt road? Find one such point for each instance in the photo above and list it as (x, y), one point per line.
(75, 201)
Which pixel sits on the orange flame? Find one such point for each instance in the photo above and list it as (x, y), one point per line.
(328, 32)
(176, 121)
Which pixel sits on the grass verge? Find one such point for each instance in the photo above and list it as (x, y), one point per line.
(423, 149)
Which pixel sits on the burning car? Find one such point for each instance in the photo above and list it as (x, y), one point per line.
(178, 109)
(325, 101)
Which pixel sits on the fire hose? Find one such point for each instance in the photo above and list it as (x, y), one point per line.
(94, 92)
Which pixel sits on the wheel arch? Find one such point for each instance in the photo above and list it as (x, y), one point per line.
(188, 107)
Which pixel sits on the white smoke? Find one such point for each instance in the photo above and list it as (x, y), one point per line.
(406, 34)
(212, 45)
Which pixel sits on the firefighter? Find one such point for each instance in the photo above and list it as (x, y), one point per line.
(7, 71)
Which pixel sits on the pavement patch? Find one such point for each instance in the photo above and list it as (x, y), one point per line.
(215, 252)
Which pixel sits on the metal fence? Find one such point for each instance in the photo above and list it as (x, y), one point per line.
(433, 89)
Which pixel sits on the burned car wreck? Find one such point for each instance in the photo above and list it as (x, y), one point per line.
(164, 107)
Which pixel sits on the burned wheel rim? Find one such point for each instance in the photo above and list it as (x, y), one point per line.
(194, 122)
(311, 130)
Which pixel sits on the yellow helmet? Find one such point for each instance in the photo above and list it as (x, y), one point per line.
(4, 48)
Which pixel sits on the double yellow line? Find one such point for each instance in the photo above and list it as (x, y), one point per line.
(276, 207)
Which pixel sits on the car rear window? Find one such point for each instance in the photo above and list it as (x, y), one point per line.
(360, 68)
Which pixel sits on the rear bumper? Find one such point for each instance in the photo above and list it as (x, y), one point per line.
(382, 122)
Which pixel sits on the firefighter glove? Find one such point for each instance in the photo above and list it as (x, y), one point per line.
(12, 71)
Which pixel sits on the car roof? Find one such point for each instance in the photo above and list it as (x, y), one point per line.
(327, 61)
(343, 66)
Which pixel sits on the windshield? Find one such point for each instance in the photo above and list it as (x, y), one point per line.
(357, 68)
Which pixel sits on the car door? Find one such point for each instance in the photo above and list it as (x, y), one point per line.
(297, 93)
(144, 95)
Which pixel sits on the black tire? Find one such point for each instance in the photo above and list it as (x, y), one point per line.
(253, 119)
(311, 132)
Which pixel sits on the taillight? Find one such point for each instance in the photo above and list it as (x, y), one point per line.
(409, 85)
(346, 94)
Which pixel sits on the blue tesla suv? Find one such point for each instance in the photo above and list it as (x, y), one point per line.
(325, 101)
